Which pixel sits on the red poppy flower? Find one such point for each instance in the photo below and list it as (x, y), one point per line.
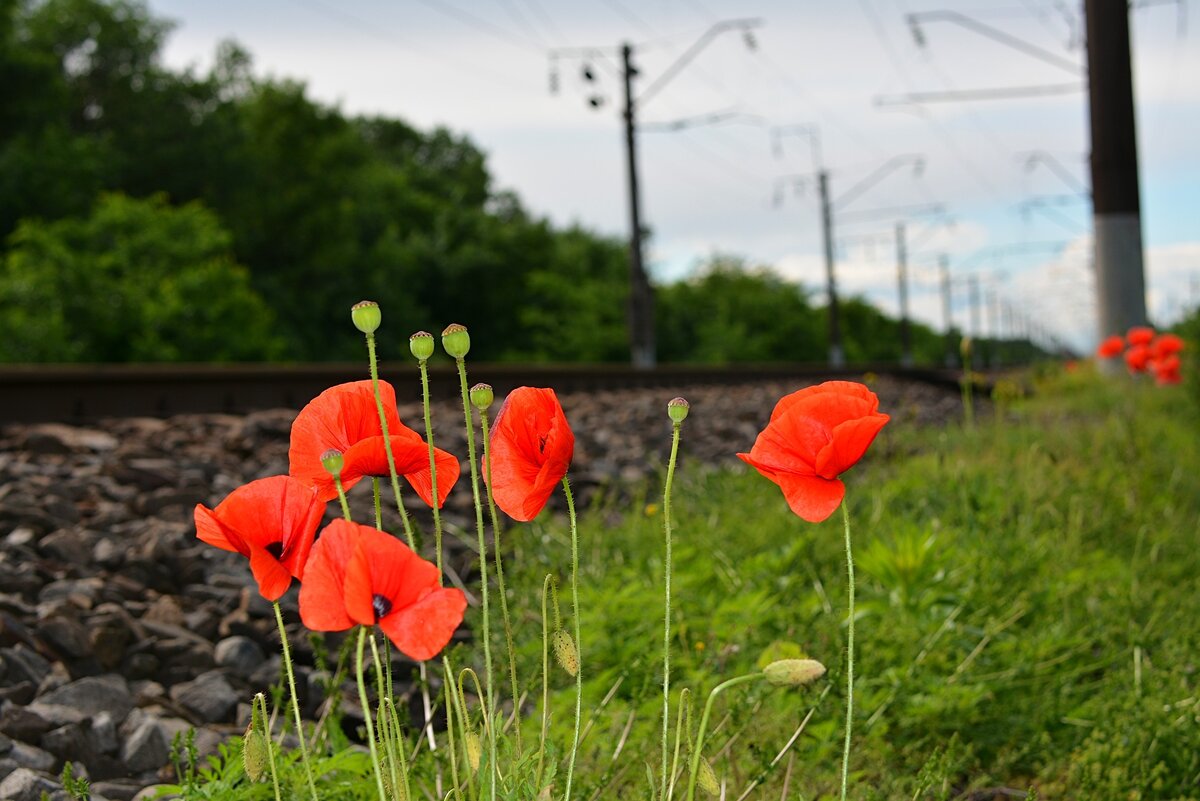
(1165, 345)
(272, 522)
(1110, 347)
(1137, 358)
(344, 418)
(1140, 335)
(814, 436)
(531, 449)
(360, 575)
(1166, 370)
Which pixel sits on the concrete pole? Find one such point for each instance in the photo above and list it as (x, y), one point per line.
(837, 356)
(906, 354)
(641, 295)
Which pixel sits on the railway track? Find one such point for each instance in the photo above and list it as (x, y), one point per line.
(85, 393)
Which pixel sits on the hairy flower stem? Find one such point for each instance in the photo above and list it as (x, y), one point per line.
(366, 710)
(684, 702)
(508, 635)
(378, 507)
(291, 676)
(698, 750)
(849, 651)
(387, 442)
(667, 605)
(547, 585)
(451, 714)
(578, 640)
(260, 708)
(483, 575)
(437, 514)
(341, 491)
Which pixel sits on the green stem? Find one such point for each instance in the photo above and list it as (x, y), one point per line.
(366, 710)
(849, 651)
(437, 515)
(508, 633)
(578, 640)
(483, 576)
(699, 748)
(448, 691)
(684, 701)
(546, 589)
(260, 702)
(387, 442)
(287, 663)
(341, 491)
(667, 605)
(378, 507)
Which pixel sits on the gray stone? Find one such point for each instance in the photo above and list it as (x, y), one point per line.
(49, 438)
(209, 697)
(25, 785)
(146, 748)
(117, 789)
(22, 723)
(103, 734)
(93, 695)
(5, 744)
(240, 654)
(27, 756)
(65, 635)
(24, 664)
(71, 545)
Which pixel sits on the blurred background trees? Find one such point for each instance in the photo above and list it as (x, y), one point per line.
(149, 214)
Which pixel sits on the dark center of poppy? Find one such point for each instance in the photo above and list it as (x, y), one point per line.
(275, 549)
(381, 606)
(541, 443)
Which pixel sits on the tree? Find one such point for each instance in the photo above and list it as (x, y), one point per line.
(135, 281)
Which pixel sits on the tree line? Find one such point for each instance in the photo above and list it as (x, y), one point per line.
(158, 214)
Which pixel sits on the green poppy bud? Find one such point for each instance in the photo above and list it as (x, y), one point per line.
(421, 345)
(706, 778)
(456, 340)
(255, 748)
(964, 347)
(333, 461)
(482, 396)
(677, 409)
(474, 750)
(366, 316)
(793, 672)
(565, 652)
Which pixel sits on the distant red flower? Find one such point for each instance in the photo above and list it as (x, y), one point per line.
(272, 522)
(815, 435)
(344, 418)
(1165, 345)
(360, 575)
(1137, 358)
(1140, 335)
(1166, 370)
(531, 449)
(1110, 347)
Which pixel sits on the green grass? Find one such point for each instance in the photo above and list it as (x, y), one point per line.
(1029, 614)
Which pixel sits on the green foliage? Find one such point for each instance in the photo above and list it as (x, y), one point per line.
(136, 280)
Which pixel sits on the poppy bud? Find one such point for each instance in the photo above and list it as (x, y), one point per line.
(474, 750)
(706, 778)
(255, 755)
(333, 461)
(964, 347)
(456, 340)
(482, 396)
(793, 672)
(366, 316)
(421, 345)
(677, 409)
(565, 652)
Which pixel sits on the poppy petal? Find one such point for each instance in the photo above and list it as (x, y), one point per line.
(811, 497)
(422, 630)
(272, 577)
(421, 479)
(850, 441)
(531, 447)
(322, 606)
(791, 443)
(841, 388)
(383, 565)
(209, 529)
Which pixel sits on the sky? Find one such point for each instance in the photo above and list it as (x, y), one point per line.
(1005, 175)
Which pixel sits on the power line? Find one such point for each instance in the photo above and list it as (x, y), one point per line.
(480, 24)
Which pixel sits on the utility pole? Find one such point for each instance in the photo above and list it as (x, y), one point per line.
(976, 330)
(837, 356)
(641, 296)
(1117, 225)
(906, 355)
(993, 324)
(947, 311)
